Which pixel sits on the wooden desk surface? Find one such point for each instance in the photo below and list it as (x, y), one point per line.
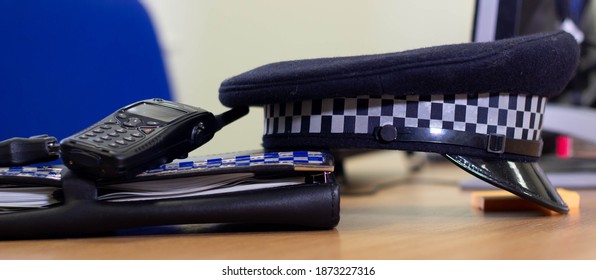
(425, 216)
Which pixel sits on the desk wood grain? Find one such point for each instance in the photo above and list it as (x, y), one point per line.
(425, 216)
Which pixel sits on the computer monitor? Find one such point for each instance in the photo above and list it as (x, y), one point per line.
(500, 19)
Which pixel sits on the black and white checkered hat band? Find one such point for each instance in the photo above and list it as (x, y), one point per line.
(513, 115)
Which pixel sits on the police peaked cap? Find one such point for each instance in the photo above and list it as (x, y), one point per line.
(481, 105)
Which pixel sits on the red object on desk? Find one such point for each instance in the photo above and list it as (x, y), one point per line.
(564, 148)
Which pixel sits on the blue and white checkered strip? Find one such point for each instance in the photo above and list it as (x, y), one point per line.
(52, 173)
(244, 160)
(271, 158)
(513, 115)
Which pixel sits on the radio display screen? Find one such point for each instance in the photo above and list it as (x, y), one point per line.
(161, 113)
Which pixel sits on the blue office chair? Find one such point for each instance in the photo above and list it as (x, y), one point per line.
(65, 64)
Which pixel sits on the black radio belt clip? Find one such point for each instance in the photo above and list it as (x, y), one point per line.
(19, 151)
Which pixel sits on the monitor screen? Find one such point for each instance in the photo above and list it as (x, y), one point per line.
(500, 19)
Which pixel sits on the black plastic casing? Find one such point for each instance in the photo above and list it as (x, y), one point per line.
(159, 144)
(19, 151)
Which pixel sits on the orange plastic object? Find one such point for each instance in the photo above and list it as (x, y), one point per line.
(501, 200)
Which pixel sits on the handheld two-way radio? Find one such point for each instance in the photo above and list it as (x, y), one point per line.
(140, 136)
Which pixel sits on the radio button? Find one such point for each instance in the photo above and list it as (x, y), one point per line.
(147, 130)
(133, 122)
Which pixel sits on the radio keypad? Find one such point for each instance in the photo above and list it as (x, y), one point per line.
(114, 135)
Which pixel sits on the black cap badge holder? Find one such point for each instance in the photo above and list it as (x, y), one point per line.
(480, 105)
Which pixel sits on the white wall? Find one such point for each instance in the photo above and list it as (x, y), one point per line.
(205, 42)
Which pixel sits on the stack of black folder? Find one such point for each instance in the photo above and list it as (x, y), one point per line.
(294, 188)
